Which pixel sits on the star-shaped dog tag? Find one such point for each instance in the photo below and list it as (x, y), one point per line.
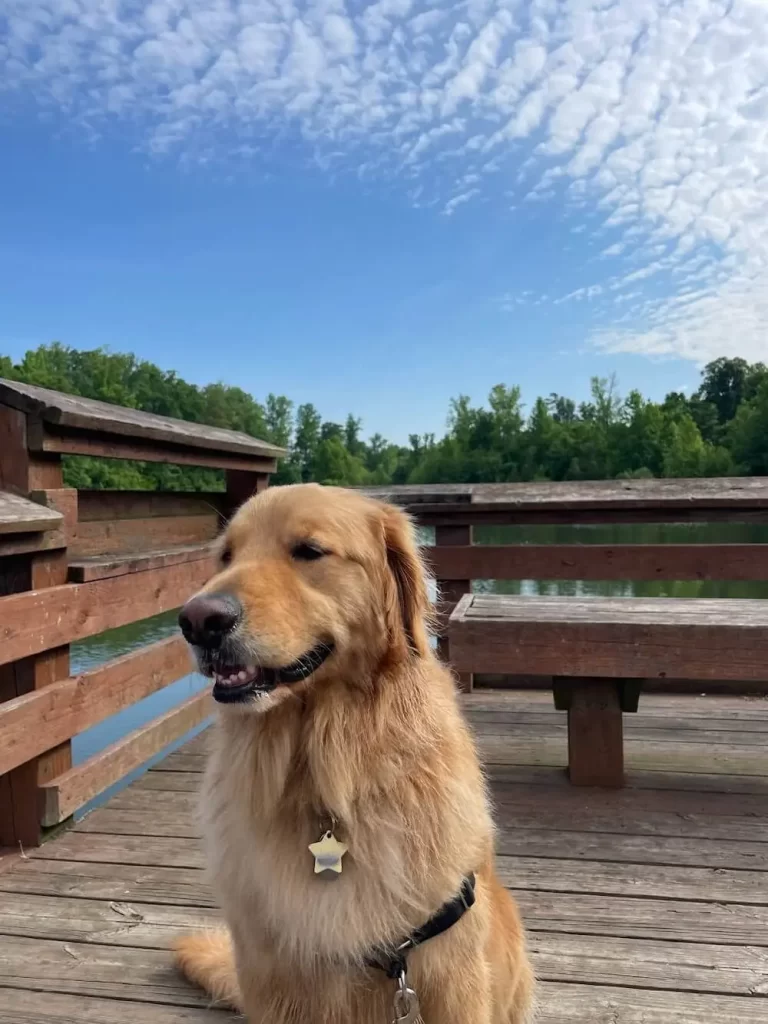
(328, 852)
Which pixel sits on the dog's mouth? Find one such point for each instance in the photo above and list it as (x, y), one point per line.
(234, 683)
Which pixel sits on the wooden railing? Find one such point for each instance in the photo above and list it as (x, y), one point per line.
(74, 564)
(454, 511)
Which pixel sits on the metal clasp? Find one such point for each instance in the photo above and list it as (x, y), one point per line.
(406, 1002)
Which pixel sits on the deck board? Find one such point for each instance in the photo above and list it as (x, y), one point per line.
(644, 906)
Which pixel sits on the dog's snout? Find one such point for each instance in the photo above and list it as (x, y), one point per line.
(207, 619)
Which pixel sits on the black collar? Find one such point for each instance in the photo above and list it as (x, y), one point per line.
(393, 962)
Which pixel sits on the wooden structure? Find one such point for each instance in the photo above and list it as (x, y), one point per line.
(647, 905)
(73, 565)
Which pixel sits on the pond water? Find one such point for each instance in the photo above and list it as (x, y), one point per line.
(116, 642)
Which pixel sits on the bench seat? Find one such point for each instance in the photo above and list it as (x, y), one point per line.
(598, 651)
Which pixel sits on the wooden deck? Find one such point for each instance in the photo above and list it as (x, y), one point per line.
(644, 906)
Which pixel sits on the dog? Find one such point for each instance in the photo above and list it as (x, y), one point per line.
(347, 824)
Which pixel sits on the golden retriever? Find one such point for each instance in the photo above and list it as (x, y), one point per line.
(337, 720)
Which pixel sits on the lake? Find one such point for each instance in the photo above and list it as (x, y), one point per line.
(116, 642)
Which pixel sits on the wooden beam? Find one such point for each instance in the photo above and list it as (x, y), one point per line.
(111, 505)
(88, 569)
(31, 623)
(620, 638)
(242, 486)
(20, 515)
(595, 734)
(71, 790)
(108, 446)
(120, 536)
(42, 719)
(731, 562)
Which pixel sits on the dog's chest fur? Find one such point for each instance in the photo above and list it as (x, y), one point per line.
(412, 832)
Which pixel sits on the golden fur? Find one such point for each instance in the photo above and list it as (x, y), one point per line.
(374, 737)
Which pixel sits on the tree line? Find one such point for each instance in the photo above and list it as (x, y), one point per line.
(719, 430)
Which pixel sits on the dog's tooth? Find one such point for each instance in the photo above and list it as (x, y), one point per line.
(242, 675)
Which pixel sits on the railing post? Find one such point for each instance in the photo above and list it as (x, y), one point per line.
(241, 485)
(37, 476)
(451, 591)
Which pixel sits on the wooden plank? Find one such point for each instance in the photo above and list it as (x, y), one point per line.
(650, 964)
(647, 780)
(20, 515)
(719, 492)
(137, 536)
(76, 968)
(661, 705)
(616, 848)
(164, 782)
(624, 917)
(37, 721)
(182, 762)
(33, 622)
(26, 1007)
(108, 446)
(659, 757)
(188, 886)
(87, 414)
(731, 562)
(104, 505)
(88, 569)
(540, 874)
(64, 794)
(151, 851)
(602, 1004)
(125, 882)
(109, 922)
(621, 638)
(31, 543)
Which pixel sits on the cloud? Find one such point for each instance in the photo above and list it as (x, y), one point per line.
(651, 113)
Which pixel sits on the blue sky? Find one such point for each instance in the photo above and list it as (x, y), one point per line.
(376, 206)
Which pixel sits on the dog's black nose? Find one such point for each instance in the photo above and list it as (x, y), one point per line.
(206, 619)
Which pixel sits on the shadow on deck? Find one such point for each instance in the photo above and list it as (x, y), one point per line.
(644, 906)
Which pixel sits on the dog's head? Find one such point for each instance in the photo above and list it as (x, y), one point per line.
(313, 582)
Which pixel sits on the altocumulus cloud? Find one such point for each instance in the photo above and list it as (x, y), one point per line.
(652, 113)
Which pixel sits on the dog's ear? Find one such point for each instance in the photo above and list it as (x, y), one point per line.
(408, 605)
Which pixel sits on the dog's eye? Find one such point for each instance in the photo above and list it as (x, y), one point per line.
(307, 552)
(225, 556)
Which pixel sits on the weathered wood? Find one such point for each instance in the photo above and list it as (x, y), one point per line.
(727, 492)
(20, 515)
(64, 794)
(142, 850)
(663, 881)
(110, 446)
(731, 562)
(103, 505)
(39, 720)
(137, 536)
(88, 569)
(184, 887)
(623, 917)
(590, 1004)
(86, 414)
(30, 1007)
(41, 478)
(241, 486)
(33, 622)
(613, 638)
(617, 848)
(650, 964)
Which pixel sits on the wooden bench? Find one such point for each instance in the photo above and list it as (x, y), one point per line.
(598, 651)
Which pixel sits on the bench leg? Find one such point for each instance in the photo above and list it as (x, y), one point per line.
(595, 733)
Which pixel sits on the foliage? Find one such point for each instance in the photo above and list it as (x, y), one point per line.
(722, 429)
